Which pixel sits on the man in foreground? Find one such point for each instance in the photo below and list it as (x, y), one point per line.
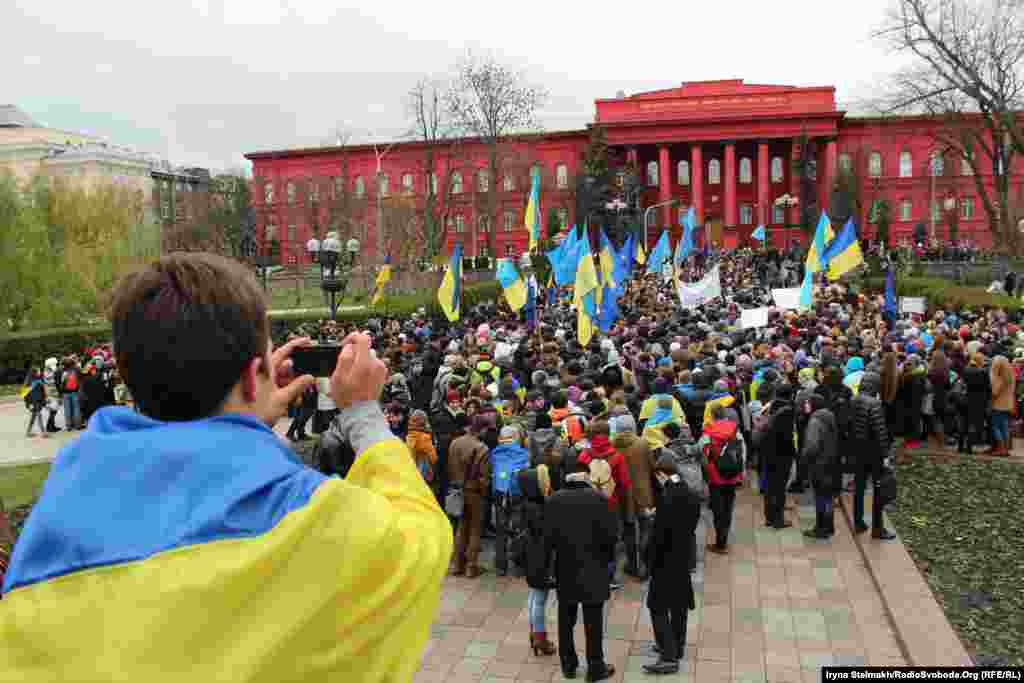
(187, 540)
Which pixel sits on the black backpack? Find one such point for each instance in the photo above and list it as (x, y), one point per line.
(730, 460)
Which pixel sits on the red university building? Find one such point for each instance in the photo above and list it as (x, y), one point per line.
(726, 148)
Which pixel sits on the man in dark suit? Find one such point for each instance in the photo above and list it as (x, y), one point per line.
(669, 557)
(581, 531)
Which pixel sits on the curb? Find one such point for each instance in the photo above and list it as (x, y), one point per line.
(891, 592)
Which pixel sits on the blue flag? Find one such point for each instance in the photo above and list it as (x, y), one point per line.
(564, 258)
(530, 310)
(660, 256)
(758, 233)
(890, 297)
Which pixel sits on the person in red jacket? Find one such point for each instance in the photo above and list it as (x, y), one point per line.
(717, 436)
(621, 499)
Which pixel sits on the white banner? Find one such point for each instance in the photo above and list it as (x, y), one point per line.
(709, 287)
(787, 298)
(912, 304)
(753, 317)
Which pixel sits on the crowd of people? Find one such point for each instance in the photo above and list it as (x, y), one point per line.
(567, 454)
(575, 457)
(74, 387)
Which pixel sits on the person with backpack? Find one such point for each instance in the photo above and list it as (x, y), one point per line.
(621, 499)
(724, 454)
(820, 450)
(670, 557)
(35, 401)
(70, 383)
(507, 458)
(535, 485)
(469, 468)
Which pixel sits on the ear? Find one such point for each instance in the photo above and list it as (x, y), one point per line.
(248, 379)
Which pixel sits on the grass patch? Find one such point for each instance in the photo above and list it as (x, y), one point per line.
(21, 484)
(963, 523)
(8, 390)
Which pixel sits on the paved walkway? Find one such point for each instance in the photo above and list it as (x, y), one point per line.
(776, 609)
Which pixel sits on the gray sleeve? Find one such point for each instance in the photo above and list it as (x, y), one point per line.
(363, 425)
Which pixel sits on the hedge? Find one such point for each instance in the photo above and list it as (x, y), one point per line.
(20, 350)
(942, 294)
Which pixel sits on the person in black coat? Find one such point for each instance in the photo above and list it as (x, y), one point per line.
(669, 556)
(535, 485)
(975, 406)
(778, 451)
(581, 530)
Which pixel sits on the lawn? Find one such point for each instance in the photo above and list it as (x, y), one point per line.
(7, 390)
(963, 523)
(21, 484)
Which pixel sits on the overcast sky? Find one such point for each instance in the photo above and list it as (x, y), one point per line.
(204, 81)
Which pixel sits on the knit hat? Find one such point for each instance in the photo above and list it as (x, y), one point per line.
(508, 435)
(622, 423)
(418, 421)
(661, 386)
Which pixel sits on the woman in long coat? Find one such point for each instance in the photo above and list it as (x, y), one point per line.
(669, 557)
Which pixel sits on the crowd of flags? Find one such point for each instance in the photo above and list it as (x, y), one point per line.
(599, 285)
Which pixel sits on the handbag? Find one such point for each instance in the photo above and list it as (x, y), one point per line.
(885, 487)
(454, 502)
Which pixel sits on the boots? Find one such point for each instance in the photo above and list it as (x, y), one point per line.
(51, 426)
(541, 646)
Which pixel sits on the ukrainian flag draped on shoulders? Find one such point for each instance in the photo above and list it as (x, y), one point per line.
(204, 550)
(585, 298)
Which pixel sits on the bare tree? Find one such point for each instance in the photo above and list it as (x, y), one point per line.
(433, 126)
(967, 71)
(490, 101)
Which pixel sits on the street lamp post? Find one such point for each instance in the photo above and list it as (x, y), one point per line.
(647, 212)
(330, 258)
(786, 201)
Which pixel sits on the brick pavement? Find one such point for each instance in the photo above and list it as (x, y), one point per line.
(776, 609)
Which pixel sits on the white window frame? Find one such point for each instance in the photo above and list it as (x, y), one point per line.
(509, 183)
(683, 173)
(937, 164)
(289, 192)
(746, 171)
(778, 173)
(268, 193)
(746, 214)
(965, 164)
(456, 183)
(483, 180)
(778, 214)
(906, 210)
(483, 223)
(385, 182)
(433, 184)
(845, 162)
(652, 174)
(510, 249)
(563, 216)
(906, 164)
(562, 176)
(509, 221)
(407, 182)
(875, 165)
(460, 224)
(967, 208)
(714, 172)
(360, 187)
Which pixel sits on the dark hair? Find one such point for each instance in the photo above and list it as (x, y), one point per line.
(185, 328)
(671, 430)
(560, 400)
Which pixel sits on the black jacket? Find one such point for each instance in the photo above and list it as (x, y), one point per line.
(869, 430)
(536, 560)
(581, 531)
(669, 554)
(979, 393)
(776, 442)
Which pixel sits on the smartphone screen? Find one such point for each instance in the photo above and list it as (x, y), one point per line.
(318, 361)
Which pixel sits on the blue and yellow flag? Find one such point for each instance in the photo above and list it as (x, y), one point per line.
(844, 253)
(512, 286)
(585, 297)
(624, 263)
(660, 256)
(450, 293)
(533, 210)
(382, 279)
(530, 311)
(552, 290)
(159, 549)
(564, 258)
(758, 233)
(606, 257)
(816, 259)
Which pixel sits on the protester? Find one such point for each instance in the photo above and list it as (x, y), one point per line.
(581, 531)
(821, 453)
(1004, 393)
(669, 557)
(241, 530)
(871, 439)
(724, 452)
(536, 487)
(469, 468)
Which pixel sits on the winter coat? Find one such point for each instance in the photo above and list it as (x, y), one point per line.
(421, 447)
(821, 449)
(640, 460)
(537, 561)
(869, 430)
(776, 441)
(979, 393)
(581, 530)
(940, 392)
(601, 449)
(469, 465)
(720, 432)
(669, 553)
(546, 448)
(1003, 394)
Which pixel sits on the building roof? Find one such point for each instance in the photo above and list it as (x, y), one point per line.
(13, 117)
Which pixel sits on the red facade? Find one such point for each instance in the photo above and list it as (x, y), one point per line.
(724, 147)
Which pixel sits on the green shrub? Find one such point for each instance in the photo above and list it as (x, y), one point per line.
(19, 350)
(942, 294)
